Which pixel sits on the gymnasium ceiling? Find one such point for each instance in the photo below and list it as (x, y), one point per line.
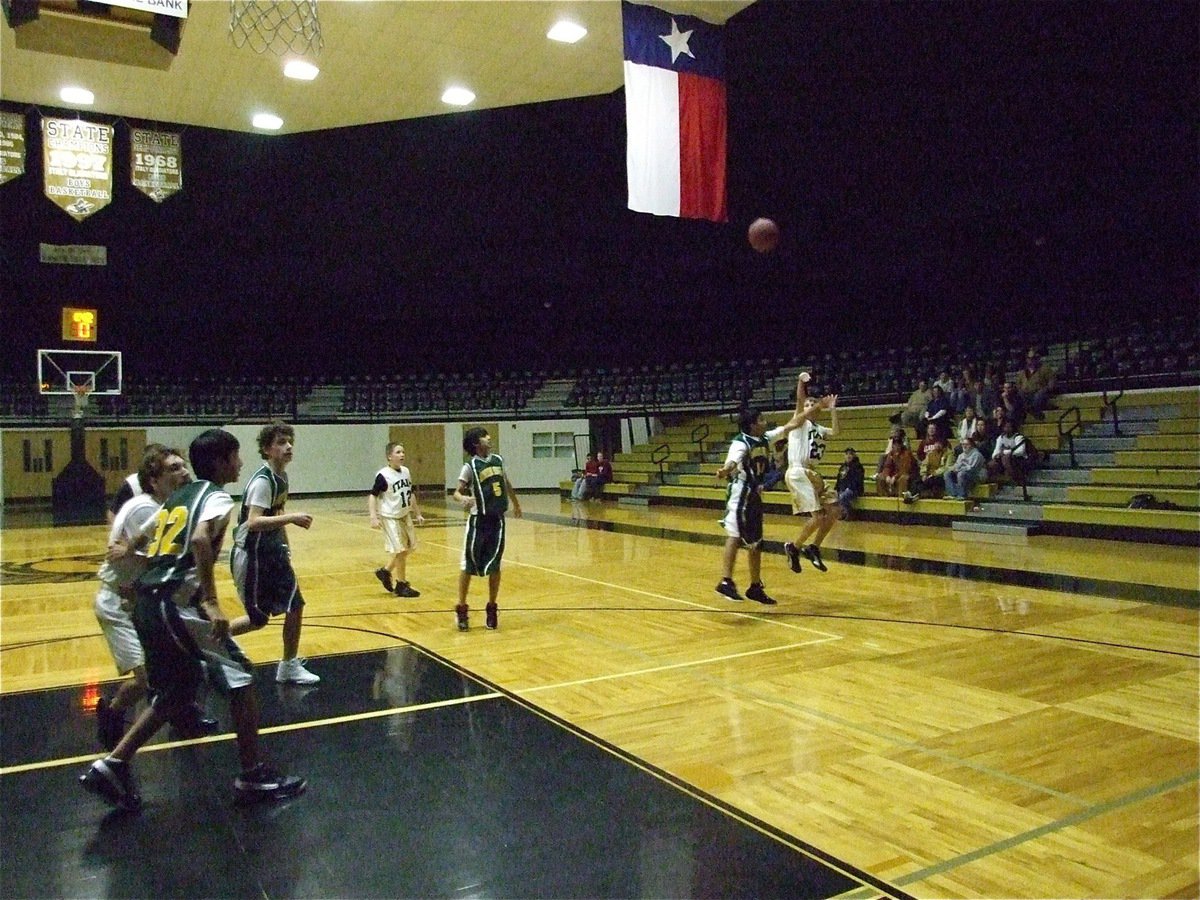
(382, 60)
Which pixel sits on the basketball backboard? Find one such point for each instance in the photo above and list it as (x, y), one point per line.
(61, 371)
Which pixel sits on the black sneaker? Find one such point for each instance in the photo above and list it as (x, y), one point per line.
(192, 723)
(112, 780)
(404, 589)
(385, 578)
(757, 593)
(264, 783)
(728, 589)
(909, 497)
(813, 554)
(793, 556)
(491, 620)
(460, 613)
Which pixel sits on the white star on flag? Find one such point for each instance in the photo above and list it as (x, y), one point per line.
(678, 42)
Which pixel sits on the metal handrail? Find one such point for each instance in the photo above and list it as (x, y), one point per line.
(1069, 433)
(1112, 404)
(665, 449)
(699, 433)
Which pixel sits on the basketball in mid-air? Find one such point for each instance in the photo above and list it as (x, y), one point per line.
(763, 235)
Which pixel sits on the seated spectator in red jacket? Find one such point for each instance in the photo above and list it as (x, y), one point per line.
(897, 468)
(602, 475)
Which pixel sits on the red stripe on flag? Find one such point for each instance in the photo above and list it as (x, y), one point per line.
(702, 148)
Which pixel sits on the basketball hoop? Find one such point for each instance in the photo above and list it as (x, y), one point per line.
(281, 26)
(82, 392)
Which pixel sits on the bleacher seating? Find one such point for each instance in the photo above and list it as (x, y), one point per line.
(1162, 428)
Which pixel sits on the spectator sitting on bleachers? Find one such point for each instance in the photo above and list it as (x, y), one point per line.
(988, 393)
(910, 414)
(849, 484)
(1013, 404)
(966, 389)
(945, 382)
(934, 457)
(972, 426)
(604, 474)
(966, 471)
(897, 468)
(579, 490)
(1011, 458)
(1036, 383)
(936, 412)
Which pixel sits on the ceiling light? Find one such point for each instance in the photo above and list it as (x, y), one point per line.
(458, 96)
(79, 95)
(267, 121)
(301, 70)
(566, 32)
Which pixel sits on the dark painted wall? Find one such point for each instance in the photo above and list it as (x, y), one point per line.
(937, 169)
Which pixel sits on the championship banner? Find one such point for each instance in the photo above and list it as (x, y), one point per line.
(12, 146)
(156, 162)
(77, 158)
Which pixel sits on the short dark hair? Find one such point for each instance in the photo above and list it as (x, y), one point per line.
(471, 439)
(268, 434)
(209, 449)
(747, 418)
(392, 445)
(154, 463)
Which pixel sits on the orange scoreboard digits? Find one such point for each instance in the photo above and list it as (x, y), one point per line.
(79, 324)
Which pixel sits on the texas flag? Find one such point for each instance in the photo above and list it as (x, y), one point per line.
(675, 114)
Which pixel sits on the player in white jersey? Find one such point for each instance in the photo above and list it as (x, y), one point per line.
(129, 488)
(162, 470)
(392, 505)
(806, 447)
(745, 466)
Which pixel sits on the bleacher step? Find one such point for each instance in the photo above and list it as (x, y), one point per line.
(990, 531)
(1010, 512)
(633, 500)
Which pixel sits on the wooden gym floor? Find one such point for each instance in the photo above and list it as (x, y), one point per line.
(929, 718)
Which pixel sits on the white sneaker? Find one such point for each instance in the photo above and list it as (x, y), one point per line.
(292, 671)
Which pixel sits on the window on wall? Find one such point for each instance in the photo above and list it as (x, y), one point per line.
(553, 445)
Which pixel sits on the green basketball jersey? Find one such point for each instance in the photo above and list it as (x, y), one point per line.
(757, 459)
(277, 487)
(170, 550)
(487, 485)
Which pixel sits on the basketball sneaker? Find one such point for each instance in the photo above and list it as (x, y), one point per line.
(265, 783)
(112, 780)
(728, 589)
(758, 593)
(385, 578)
(793, 556)
(404, 589)
(460, 613)
(813, 554)
(292, 671)
(491, 620)
(193, 723)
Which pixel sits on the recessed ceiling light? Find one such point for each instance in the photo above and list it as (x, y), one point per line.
(566, 32)
(79, 95)
(457, 96)
(267, 121)
(300, 69)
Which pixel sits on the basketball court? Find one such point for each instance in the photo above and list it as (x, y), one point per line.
(931, 717)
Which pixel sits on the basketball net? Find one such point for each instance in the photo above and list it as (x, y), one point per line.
(82, 392)
(281, 26)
